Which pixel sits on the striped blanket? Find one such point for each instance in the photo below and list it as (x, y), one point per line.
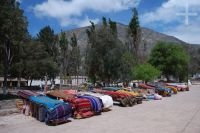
(106, 99)
(26, 93)
(82, 108)
(96, 103)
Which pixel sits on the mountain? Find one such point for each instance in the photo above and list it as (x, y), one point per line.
(148, 41)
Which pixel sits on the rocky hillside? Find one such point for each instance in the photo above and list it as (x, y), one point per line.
(148, 41)
(149, 37)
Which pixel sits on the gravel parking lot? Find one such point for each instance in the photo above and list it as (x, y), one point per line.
(177, 114)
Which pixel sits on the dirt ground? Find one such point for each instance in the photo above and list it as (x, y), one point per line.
(177, 114)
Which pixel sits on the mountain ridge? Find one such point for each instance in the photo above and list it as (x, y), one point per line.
(149, 38)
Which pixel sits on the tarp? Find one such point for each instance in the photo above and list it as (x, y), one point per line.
(49, 103)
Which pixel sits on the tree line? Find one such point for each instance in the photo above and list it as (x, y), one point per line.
(106, 58)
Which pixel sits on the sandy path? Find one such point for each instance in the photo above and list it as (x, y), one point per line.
(177, 114)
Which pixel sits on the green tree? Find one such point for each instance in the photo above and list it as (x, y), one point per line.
(75, 59)
(19, 62)
(127, 63)
(64, 56)
(145, 72)
(38, 62)
(170, 59)
(135, 33)
(13, 30)
(104, 53)
(47, 37)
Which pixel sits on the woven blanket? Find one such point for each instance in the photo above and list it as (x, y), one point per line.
(82, 107)
(62, 111)
(96, 103)
(73, 92)
(61, 94)
(106, 99)
(26, 93)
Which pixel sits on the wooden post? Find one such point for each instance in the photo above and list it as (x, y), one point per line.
(45, 87)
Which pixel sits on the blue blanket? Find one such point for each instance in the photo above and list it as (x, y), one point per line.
(49, 103)
(53, 110)
(61, 112)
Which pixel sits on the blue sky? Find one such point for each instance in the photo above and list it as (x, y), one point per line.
(160, 15)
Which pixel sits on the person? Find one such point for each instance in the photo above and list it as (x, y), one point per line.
(134, 85)
(90, 87)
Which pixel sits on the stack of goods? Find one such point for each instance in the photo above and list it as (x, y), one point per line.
(81, 107)
(25, 95)
(111, 88)
(160, 89)
(106, 100)
(153, 97)
(179, 86)
(19, 104)
(137, 96)
(49, 110)
(122, 98)
(173, 88)
(96, 103)
(144, 86)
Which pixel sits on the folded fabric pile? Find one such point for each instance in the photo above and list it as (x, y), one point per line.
(153, 97)
(50, 110)
(106, 99)
(122, 98)
(82, 107)
(26, 94)
(96, 103)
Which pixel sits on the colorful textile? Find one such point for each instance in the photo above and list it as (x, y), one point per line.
(74, 92)
(26, 93)
(82, 108)
(173, 88)
(106, 99)
(144, 86)
(62, 111)
(111, 88)
(96, 103)
(154, 97)
(122, 98)
(61, 94)
(50, 110)
(41, 113)
(49, 103)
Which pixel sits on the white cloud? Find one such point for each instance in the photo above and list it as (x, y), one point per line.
(68, 12)
(188, 33)
(77, 22)
(86, 22)
(168, 11)
(166, 15)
